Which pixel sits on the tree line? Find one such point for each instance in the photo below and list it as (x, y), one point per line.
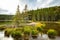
(45, 14)
(6, 17)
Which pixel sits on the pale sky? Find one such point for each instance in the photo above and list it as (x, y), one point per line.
(10, 6)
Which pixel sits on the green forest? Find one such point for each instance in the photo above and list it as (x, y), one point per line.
(6, 17)
(45, 14)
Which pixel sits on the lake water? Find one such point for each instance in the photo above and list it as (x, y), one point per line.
(44, 37)
(4, 38)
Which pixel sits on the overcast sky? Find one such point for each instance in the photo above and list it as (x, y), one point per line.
(10, 6)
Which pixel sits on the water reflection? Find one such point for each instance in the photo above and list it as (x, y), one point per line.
(44, 37)
(4, 38)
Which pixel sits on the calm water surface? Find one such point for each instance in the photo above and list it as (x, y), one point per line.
(4, 38)
(44, 37)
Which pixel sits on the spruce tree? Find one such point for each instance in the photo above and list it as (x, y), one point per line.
(17, 18)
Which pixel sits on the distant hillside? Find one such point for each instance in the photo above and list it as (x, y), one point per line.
(6, 17)
(46, 14)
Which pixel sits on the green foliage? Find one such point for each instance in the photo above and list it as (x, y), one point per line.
(19, 29)
(8, 32)
(17, 18)
(46, 14)
(52, 25)
(2, 28)
(6, 17)
(16, 34)
(34, 32)
(52, 32)
(27, 30)
(39, 29)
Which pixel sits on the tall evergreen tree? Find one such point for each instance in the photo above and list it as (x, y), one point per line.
(17, 18)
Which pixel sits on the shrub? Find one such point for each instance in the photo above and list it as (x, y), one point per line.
(34, 32)
(16, 34)
(38, 24)
(19, 29)
(52, 33)
(8, 32)
(39, 29)
(27, 30)
(2, 28)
